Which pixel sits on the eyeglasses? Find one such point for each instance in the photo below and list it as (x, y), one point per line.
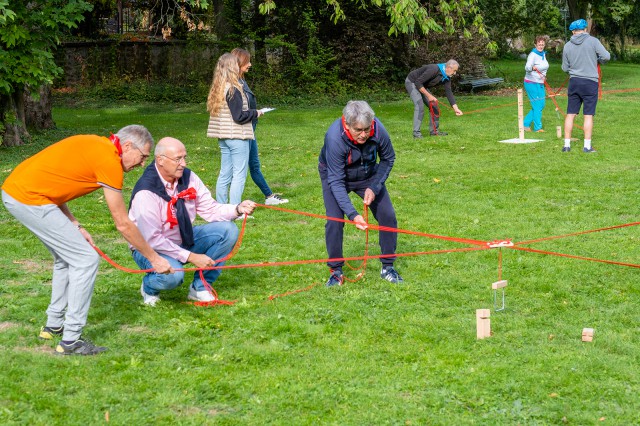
(176, 160)
(144, 156)
(355, 131)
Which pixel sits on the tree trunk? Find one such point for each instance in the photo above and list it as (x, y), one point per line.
(38, 109)
(14, 131)
(577, 9)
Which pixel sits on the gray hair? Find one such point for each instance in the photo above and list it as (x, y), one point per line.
(358, 112)
(452, 63)
(138, 135)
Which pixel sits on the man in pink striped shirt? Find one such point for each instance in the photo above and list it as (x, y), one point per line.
(164, 204)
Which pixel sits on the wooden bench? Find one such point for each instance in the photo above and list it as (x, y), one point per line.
(478, 77)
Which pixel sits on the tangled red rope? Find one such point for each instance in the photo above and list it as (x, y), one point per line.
(477, 245)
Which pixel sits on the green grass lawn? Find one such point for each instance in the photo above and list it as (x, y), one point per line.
(369, 352)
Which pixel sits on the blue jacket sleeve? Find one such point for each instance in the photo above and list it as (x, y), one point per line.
(336, 158)
(387, 158)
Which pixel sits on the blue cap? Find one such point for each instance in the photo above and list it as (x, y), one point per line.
(580, 24)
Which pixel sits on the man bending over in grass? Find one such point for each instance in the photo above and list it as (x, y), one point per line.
(348, 163)
(36, 193)
(164, 204)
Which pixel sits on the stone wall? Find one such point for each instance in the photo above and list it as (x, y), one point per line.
(86, 63)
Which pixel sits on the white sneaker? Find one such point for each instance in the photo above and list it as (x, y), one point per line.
(200, 296)
(147, 298)
(274, 200)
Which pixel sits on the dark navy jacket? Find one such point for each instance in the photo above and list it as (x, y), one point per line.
(342, 161)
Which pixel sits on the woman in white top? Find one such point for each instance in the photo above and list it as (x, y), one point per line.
(536, 72)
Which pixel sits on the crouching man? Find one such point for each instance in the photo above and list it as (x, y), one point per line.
(164, 204)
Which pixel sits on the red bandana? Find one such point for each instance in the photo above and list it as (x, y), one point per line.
(187, 194)
(116, 142)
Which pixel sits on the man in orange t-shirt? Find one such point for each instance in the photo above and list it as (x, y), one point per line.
(36, 193)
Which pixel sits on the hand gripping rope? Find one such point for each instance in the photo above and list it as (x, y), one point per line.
(475, 245)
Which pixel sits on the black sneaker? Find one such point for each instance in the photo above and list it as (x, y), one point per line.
(566, 149)
(79, 347)
(439, 133)
(48, 333)
(390, 274)
(336, 278)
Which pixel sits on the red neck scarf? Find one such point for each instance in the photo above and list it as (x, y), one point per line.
(187, 194)
(116, 142)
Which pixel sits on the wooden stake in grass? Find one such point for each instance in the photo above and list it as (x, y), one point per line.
(483, 323)
(520, 138)
(520, 115)
(587, 334)
(495, 286)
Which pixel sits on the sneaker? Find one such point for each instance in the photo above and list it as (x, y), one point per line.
(148, 299)
(439, 133)
(390, 274)
(79, 347)
(566, 148)
(588, 150)
(48, 333)
(200, 296)
(336, 278)
(417, 135)
(274, 200)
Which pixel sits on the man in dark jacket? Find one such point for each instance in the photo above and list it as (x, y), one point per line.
(417, 84)
(348, 163)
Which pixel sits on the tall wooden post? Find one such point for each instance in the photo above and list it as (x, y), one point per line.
(520, 115)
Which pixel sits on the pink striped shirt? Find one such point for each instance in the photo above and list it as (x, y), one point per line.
(149, 213)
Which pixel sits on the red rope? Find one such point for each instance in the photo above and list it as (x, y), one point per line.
(591, 259)
(479, 245)
(577, 233)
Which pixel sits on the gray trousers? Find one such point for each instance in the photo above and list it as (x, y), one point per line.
(75, 263)
(419, 102)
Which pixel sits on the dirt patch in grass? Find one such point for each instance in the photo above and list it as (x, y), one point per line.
(134, 329)
(31, 266)
(7, 325)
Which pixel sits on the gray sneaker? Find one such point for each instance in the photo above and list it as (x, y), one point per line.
(79, 347)
(274, 200)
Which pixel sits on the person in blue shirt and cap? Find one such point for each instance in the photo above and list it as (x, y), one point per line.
(417, 84)
(580, 58)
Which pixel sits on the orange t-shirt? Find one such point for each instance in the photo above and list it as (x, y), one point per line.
(66, 170)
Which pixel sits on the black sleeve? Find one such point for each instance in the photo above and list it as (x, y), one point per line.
(235, 106)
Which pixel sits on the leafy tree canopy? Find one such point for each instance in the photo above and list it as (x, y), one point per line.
(414, 16)
(29, 31)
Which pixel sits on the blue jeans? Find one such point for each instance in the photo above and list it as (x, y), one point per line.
(234, 159)
(215, 239)
(537, 95)
(254, 169)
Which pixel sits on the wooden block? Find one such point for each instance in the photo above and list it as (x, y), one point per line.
(499, 284)
(587, 334)
(483, 323)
